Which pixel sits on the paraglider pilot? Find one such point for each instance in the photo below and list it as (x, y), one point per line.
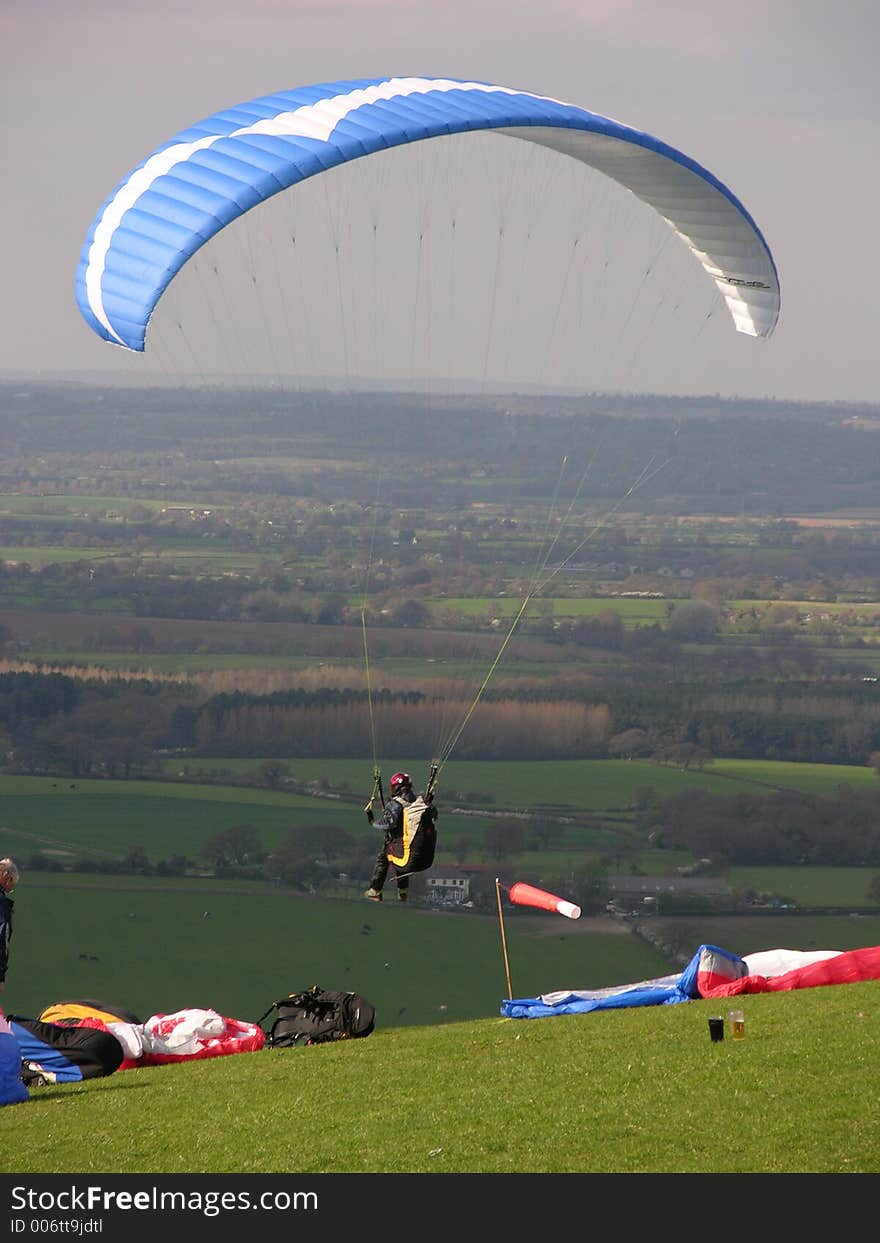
(8, 881)
(12, 1089)
(392, 824)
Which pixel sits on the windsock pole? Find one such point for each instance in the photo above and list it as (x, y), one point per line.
(503, 937)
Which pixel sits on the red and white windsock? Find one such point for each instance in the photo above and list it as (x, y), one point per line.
(527, 895)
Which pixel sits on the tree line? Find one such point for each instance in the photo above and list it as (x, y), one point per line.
(119, 727)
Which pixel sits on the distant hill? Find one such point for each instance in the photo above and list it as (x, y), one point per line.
(703, 454)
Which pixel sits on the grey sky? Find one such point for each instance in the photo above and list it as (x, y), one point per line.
(779, 99)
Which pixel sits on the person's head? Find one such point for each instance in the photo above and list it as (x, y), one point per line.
(401, 784)
(8, 875)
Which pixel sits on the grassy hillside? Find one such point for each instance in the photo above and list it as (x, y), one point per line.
(628, 1091)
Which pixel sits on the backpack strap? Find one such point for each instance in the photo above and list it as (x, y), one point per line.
(309, 1000)
(283, 1001)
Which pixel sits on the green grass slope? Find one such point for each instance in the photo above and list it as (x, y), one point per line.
(630, 1091)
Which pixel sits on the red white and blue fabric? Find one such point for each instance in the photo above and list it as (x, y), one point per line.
(711, 972)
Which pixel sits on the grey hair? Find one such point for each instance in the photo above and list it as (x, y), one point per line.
(9, 874)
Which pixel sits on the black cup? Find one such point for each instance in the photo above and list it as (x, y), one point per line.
(716, 1027)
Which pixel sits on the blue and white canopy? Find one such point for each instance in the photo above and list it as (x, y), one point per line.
(208, 175)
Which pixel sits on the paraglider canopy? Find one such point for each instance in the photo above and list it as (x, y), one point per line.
(191, 187)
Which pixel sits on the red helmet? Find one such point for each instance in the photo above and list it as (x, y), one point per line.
(401, 781)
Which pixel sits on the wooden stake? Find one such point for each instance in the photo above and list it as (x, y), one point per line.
(503, 938)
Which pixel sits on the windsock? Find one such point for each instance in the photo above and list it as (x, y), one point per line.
(527, 895)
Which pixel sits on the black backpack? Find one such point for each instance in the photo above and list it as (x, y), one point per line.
(316, 1016)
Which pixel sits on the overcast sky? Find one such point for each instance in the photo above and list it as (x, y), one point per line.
(778, 98)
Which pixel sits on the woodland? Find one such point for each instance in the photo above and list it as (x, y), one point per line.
(209, 586)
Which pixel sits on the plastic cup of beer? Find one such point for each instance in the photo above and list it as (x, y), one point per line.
(716, 1027)
(737, 1024)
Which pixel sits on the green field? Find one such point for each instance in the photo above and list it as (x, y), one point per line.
(809, 886)
(417, 668)
(821, 779)
(750, 934)
(52, 556)
(632, 611)
(107, 818)
(149, 946)
(95, 506)
(179, 662)
(867, 611)
(216, 560)
(577, 785)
